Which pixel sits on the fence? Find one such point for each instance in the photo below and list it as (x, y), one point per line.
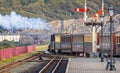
(11, 52)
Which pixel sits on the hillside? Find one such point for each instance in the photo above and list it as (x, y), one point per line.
(77, 26)
(53, 9)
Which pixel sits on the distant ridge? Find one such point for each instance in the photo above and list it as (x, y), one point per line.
(53, 9)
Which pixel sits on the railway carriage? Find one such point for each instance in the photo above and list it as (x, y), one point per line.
(71, 43)
(106, 43)
(117, 43)
(77, 43)
(88, 43)
(55, 42)
(82, 43)
(66, 44)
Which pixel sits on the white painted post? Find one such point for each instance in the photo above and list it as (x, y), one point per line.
(103, 7)
(85, 13)
(94, 50)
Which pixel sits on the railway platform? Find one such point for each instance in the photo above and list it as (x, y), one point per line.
(89, 65)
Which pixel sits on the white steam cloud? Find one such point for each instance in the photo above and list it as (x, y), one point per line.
(17, 21)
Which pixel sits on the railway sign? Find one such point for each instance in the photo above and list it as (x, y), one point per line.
(81, 10)
(99, 13)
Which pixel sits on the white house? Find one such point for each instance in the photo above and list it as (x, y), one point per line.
(9, 37)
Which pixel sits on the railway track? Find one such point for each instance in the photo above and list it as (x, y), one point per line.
(5, 68)
(52, 65)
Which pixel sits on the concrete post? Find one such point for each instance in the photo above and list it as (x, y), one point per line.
(85, 13)
(94, 50)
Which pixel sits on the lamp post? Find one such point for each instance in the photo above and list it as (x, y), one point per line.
(111, 13)
(102, 56)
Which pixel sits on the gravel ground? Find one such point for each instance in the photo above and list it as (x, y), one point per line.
(34, 67)
(26, 68)
(62, 67)
(29, 67)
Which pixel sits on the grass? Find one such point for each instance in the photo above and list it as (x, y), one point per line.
(41, 47)
(38, 48)
(3, 61)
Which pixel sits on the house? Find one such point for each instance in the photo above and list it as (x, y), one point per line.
(10, 37)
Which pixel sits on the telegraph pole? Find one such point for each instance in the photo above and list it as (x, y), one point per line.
(103, 6)
(85, 13)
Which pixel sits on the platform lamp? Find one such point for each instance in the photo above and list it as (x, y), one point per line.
(102, 55)
(111, 13)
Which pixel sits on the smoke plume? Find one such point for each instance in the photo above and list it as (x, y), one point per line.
(17, 21)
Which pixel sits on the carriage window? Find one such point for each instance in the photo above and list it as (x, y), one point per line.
(65, 39)
(119, 39)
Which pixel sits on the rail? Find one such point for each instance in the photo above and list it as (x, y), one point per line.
(58, 64)
(50, 63)
(5, 68)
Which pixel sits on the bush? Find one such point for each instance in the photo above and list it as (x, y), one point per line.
(2, 47)
(10, 44)
(7, 44)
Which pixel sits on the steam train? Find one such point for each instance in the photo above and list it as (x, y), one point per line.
(82, 43)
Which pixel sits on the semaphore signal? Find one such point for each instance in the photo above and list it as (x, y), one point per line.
(81, 10)
(98, 13)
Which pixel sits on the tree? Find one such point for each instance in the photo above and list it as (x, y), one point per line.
(1, 29)
(7, 44)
